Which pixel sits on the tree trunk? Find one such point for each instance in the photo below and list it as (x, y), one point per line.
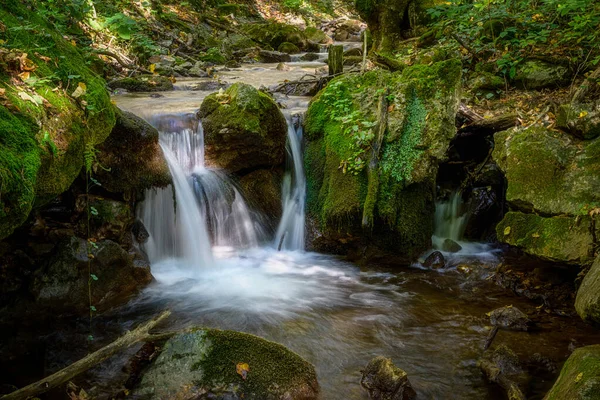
(336, 60)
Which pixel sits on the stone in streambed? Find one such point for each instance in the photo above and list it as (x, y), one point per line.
(384, 381)
(451, 246)
(266, 56)
(579, 378)
(587, 302)
(215, 364)
(510, 318)
(244, 129)
(501, 366)
(310, 57)
(435, 260)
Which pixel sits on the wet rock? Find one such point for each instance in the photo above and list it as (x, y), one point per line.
(215, 364)
(316, 35)
(131, 157)
(197, 72)
(309, 57)
(108, 219)
(581, 120)
(288, 48)
(266, 56)
(451, 246)
(262, 190)
(209, 86)
(535, 74)
(435, 260)
(510, 318)
(62, 284)
(243, 129)
(139, 231)
(283, 67)
(587, 302)
(143, 83)
(484, 212)
(580, 376)
(274, 34)
(233, 64)
(501, 366)
(384, 381)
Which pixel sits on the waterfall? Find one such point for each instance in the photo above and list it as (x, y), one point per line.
(290, 232)
(450, 220)
(202, 209)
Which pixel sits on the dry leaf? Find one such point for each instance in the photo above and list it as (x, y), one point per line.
(152, 67)
(507, 231)
(25, 64)
(80, 91)
(43, 58)
(35, 99)
(24, 75)
(242, 369)
(2, 92)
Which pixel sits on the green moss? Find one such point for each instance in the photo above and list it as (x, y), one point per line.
(274, 34)
(143, 83)
(580, 376)
(316, 35)
(289, 48)
(587, 302)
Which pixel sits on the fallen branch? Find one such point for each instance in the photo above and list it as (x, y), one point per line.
(120, 61)
(488, 126)
(468, 114)
(64, 375)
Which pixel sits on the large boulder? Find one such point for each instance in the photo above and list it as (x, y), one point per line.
(274, 34)
(580, 376)
(587, 302)
(394, 202)
(215, 364)
(581, 120)
(131, 159)
(243, 129)
(262, 191)
(43, 131)
(384, 381)
(554, 189)
(110, 273)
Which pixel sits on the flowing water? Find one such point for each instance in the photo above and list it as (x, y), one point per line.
(215, 266)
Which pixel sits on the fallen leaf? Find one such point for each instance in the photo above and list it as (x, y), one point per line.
(24, 75)
(43, 58)
(2, 92)
(25, 64)
(152, 67)
(507, 231)
(579, 377)
(79, 91)
(35, 99)
(242, 369)
(583, 114)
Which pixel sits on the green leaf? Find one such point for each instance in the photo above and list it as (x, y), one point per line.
(93, 308)
(93, 211)
(94, 277)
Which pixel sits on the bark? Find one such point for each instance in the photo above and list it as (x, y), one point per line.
(336, 60)
(488, 126)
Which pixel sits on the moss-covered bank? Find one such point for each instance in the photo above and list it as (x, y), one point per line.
(395, 195)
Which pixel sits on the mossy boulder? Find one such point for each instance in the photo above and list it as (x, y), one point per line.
(549, 172)
(581, 120)
(144, 83)
(580, 376)
(274, 34)
(486, 81)
(262, 191)
(396, 198)
(316, 35)
(288, 48)
(587, 302)
(44, 132)
(243, 129)
(107, 219)
(62, 285)
(131, 160)
(384, 381)
(216, 364)
(536, 74)
(559, 239)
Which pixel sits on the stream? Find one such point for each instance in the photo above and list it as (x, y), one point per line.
(219, 269)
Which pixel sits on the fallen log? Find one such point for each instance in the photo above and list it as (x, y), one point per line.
(130, 338)
(467, 114)
(488, 126)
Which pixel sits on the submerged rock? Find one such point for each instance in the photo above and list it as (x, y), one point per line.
(511, 318)
(397, 198)
(144, 83)
(435, 260)
(131, 157)
(310, 57)
(587, 302)
(215, 364)
(501, 366)
(243, 129)
(62, 285)
(384, 381)
(580, 376)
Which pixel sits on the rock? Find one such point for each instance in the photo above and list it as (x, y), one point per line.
(501, 365)
(197, 72)
(547, 172)
(186, 65)
(510, 318)
(62, 285)
(354, 60)
(317, 36)
(274, 34)
(535, 74)
(143, 83)
(131, 157)
(587, 302)
(558, 239)
(420, 128)
(233, 64)
(486, 81)
(213, 56)
(384, 381)
(108, 219)
(451, 246)
(210, 363)
(484, 208)
(265, 56)
(283, 67)
(309, 57)
(580, 376)
(139, 232)
(243, 129)
(580, 120)
(288, 48)
(262, 190)
(435, 260)
(355, 52)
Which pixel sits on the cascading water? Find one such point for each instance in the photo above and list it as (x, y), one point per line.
(290, 232)
(203, 209)
(450, 220)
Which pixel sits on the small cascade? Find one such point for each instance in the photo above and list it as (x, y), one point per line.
(450, 220)
(203, 209)
(290, 232)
